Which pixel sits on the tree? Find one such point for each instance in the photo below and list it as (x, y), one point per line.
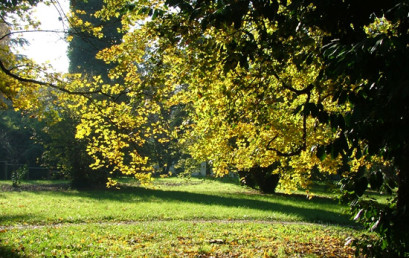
(89, 35)
(374, 55)
(246, 113)
(364, 51)
(67, 154)
(16, 138)
(300, 82)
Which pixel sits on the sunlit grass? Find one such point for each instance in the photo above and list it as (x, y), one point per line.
(180, 238)
(175, 217)
(170, 199)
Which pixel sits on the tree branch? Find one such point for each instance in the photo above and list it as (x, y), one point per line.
(30, 31)
(303, 138)
(306, 90)
(46, 84)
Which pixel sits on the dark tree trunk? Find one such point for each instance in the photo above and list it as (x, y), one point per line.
(166, 167)
(266, 180)
(261, 177)
(403, 193)
(246, 178)
(403, 185)
(400, 228)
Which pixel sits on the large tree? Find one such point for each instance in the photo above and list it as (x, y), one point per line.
(87, 36)
(363, 51)
(36, 91)
(246, 113)
(373, 55)
(85, 43)
(294, 83)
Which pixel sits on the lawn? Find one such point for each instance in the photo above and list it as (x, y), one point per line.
(176, 217)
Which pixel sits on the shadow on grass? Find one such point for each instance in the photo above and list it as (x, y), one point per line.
(227, 179)
(16, 218)
(8, 252)
(308, 210)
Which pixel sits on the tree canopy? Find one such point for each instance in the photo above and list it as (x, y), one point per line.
(287, 85)
(300, 84)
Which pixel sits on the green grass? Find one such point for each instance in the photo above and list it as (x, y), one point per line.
(176, 216)
(171, 199)
(179, 238)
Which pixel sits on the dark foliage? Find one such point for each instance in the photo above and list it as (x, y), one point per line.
(84, 46)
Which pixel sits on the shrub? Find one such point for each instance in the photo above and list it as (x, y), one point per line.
(18, 175)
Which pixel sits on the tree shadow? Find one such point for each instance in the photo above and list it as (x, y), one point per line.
(11, 218)
(307, 210)
(8, 252)
(34, 186)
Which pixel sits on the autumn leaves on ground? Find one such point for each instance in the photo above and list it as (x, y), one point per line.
(176, 217)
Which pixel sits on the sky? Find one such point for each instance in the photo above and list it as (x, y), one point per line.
(49, 46)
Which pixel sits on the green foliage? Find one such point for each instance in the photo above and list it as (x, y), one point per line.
(373, 56)
(8, 4)
(378, 216)
(381, 217)
(67, 154)
(16, 137)
(387, 223)
(84, 44)
(18, 175)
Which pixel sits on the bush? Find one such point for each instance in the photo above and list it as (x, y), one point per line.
(18, 175)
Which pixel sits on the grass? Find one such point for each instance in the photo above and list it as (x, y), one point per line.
(176, 217)
(192, 199)
(180, 238)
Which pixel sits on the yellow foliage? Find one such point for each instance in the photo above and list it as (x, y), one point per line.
(238, 118)
(380, 26)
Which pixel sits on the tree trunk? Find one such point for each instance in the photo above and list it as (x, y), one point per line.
(403, 185)
(400, 229)
(403, 194)
(261, 177)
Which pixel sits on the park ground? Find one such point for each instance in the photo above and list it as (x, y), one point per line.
(173, 218)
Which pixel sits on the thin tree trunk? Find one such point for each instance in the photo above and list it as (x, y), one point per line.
(403, 192)
(400, 229)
